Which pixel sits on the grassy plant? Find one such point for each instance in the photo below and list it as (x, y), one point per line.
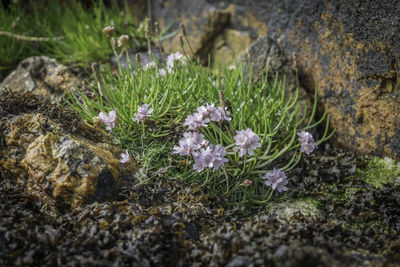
(260, 106)
(18, 21)
(83, 40)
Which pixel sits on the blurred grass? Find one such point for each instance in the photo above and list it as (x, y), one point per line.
(83, 42)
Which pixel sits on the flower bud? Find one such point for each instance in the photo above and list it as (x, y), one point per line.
(122, 40)
(109, 30)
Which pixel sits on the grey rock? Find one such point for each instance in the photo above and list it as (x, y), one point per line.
(42, 76)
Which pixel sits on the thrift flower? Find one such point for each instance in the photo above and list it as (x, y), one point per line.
(124, 157)
(186, 147)
(206, 110)
(307, 142)
(150, 65)
(195, 121)
(171, 59)
(219, 153)
(162, 72)
(203, 159)
(143, 112)
(246, 142)
(219, 114)
(108, 120)
(276, 180)
(194, 137)
(190, 142)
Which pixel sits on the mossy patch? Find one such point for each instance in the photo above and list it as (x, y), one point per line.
(380, 171)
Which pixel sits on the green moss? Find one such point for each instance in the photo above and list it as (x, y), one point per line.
(379, 171)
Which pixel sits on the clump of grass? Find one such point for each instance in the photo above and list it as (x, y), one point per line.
(379, 171)
(173, 92)
(84, 40)
(67, 31)
(17, 20)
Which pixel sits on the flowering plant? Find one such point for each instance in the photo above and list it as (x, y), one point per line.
(235, 137)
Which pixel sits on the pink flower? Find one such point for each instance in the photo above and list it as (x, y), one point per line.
(276, 180)
(206, 109)
(219, 153)
(195, 121)
(185, 147)
(219, 114)
(190, 142)
(124, 157)
(150, 65)
(246, 142)
(171, 59)
(108, 120)
(210, 157)
(162, 72)
(203, 159)
(143, 112)
(307, 142)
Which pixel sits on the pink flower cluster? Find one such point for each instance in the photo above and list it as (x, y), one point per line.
(171, 59)
(210, 157)
(108, 120)
(204, 115)
(205, 155)
(276, 180)
(143, 112)
(246, 142)
(150, 65)
(307, 142)
(190, 143)
(125, 157)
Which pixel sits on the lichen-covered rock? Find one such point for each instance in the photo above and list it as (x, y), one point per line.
(54, 162)
(42, 76)
(349, 50)
(286, 210)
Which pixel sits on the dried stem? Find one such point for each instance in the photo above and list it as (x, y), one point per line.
(95, 70)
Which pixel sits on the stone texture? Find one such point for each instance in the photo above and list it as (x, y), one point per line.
(59, 167)
(348, 49)
(229, 45)
(42, 76)
(207, 25)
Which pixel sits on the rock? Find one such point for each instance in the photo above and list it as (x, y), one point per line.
(349, 50)
(205, 24)
(266, 52)
(229, 45)
(58, 166)
(42, 76)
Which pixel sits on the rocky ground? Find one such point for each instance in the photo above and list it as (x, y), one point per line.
(166, 224)
(329, 217)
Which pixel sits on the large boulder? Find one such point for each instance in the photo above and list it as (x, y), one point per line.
(56, 156)
(349, 50)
